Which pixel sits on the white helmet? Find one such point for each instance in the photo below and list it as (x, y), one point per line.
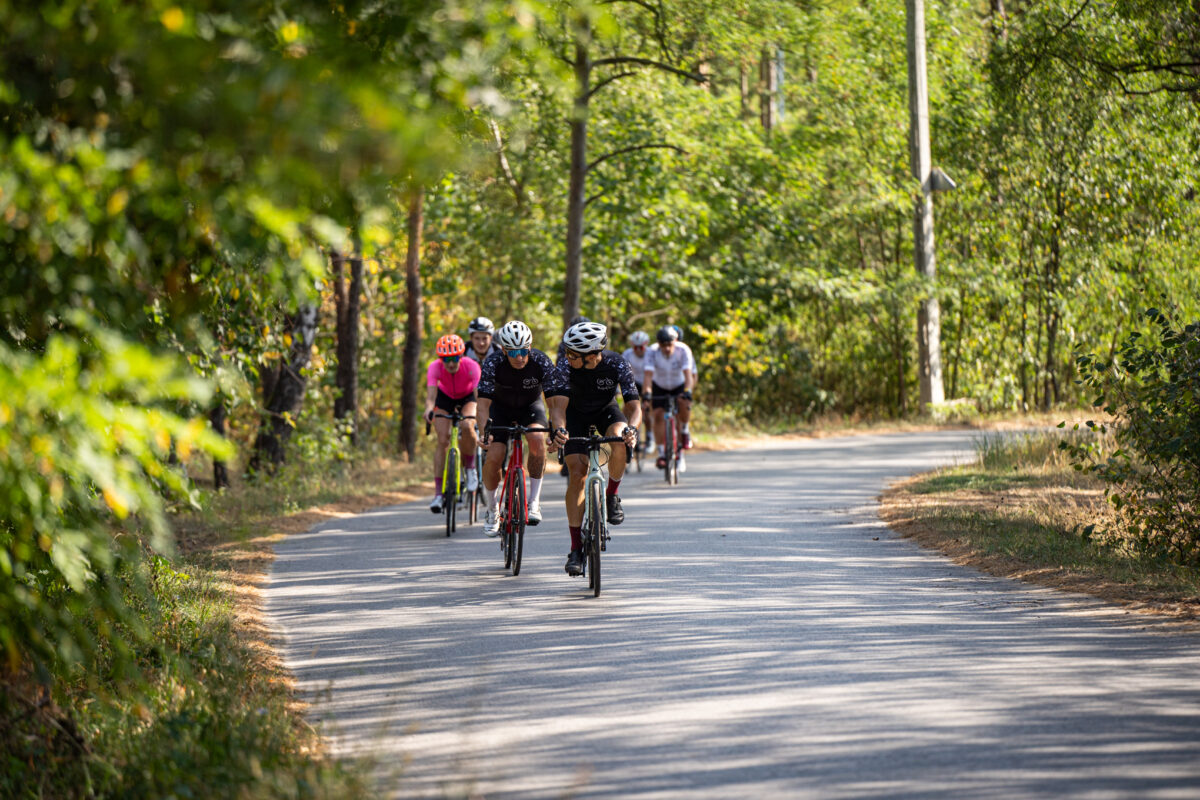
(481, 325)
(638, 338)
(514, 335)
(586, 337)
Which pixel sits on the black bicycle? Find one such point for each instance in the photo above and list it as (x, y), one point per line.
(672, 451)
(595, 514)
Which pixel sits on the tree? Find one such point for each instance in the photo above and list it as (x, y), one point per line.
(619, 64)
(416, 326)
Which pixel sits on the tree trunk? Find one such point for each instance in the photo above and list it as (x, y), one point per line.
(411, 384)
(348, 303)
(576, 195)
(216, 418)
(769, 88)
(287, 394)
(744, 88)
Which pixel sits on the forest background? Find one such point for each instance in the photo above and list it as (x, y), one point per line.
(231, 230)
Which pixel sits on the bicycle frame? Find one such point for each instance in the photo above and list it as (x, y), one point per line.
(452, 470)
(513, 492)
(670, 443)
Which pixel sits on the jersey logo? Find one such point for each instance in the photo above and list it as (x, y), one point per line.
(531, 383)
(605, 383)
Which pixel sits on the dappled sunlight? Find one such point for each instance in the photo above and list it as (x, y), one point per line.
(759, 634)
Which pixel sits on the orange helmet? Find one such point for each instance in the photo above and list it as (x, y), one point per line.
(451, 345)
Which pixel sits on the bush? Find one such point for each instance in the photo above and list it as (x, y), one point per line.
(1151, 388)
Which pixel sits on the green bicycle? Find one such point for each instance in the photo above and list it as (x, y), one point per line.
(595, 511)
(452, 472)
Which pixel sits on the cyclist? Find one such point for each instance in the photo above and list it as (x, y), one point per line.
(451, 381)
(594, 377)
(510, 393)
(480, 333)
(635, 354)
(669, 370)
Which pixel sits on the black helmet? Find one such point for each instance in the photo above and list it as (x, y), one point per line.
(578, 318)
(666, 333)
(481, 325)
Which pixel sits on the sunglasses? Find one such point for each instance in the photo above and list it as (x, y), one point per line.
(518, 352)
(450, 359)
(573, 356)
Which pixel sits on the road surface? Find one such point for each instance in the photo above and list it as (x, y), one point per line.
(760, 635)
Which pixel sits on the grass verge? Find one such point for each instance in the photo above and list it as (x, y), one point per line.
(1022, 511)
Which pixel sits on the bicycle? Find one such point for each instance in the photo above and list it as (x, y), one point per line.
(452, 474)
(476, 497)
(595, 511)
(514, 511)
(672, 453)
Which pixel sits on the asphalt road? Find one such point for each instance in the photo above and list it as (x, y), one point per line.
(760, 635)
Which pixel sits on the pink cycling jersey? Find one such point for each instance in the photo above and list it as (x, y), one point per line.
(455, 384)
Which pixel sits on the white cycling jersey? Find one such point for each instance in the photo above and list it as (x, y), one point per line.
(636, 362)
(669, 372)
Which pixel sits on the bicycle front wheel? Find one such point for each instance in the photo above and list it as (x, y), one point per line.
(517, 507)
(595, 534)
(450, 487)
(669, 445)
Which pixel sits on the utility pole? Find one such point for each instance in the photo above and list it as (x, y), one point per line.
(929, 324)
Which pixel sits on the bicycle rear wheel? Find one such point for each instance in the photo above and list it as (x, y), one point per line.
(595, 535)
(518, 519)
(506, 537)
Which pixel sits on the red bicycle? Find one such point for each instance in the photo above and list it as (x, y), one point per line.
(514, 511)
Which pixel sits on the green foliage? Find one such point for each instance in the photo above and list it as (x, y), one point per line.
(85, 431)
(1151, 387)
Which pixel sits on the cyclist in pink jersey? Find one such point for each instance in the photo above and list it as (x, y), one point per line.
(451, 381)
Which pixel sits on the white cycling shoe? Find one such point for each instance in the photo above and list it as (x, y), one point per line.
(472, 480)
(535, 512)
(435, 505)
(682, 463)
(491, 523)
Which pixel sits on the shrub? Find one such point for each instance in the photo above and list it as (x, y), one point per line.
(1151, 388)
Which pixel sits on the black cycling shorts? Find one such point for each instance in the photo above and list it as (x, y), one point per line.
(657, 390)
(451, 404)
(581, 424)
(533, 414)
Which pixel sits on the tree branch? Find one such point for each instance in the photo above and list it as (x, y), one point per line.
(633, 148)
(607, 81)
(513, 183)
(649, 62)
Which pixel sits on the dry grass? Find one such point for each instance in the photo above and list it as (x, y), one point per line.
(1031, 532)
(235, 538)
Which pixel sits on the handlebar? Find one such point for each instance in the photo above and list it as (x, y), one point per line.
(451, 417)
(517, 429)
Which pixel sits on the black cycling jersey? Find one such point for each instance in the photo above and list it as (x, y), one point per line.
(593, 389)
(517, 388)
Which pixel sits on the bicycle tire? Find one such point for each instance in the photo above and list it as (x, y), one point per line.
(518, 520)
(506, 537)
(668, 449)
(449, 489)
(596, 536)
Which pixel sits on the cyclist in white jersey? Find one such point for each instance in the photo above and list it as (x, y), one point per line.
(670, 370)
(635, 354)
